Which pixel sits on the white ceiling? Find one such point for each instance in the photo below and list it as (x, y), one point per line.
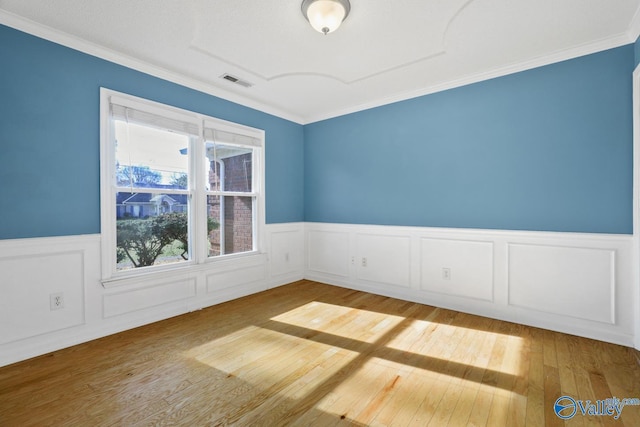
(384, 51)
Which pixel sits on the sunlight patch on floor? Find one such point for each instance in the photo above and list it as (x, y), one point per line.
(364, 325)
(263, 357)
(345, 353)
(215, 344)
(460, 345)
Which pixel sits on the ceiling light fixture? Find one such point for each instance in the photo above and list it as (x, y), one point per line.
(325, 16)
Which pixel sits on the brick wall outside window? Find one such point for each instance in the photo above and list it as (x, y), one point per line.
(238, 211)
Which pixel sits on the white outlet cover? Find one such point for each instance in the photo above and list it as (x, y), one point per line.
(56, 301)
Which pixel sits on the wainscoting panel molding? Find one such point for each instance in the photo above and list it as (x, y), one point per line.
(328, 253)
(580, 284)
(27, 287)
(237, 273)
(136, 299)
(576, 283)
(287, 250)
(33, 269)
(388, 264)
(539, 274)
(457, 267)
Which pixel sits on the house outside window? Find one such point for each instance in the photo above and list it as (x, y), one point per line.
(178, 188)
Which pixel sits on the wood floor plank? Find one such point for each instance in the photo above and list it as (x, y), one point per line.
(445, 408)
(403, 406)
(479, 415)
(498, 411)
(312, 354)
(552, 391)
(427, 408)
(380, 398)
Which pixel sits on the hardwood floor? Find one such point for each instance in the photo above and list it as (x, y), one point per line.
(312, 354)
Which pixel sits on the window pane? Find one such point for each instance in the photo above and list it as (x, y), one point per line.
(147, 157)
(230, 225)
(151, 229)
(229, 168)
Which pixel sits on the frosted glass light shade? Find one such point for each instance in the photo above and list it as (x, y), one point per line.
(325, 16)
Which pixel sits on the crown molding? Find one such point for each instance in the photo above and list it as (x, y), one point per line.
(634, 27)
(563, 55)
(59, 37)
(31, 27)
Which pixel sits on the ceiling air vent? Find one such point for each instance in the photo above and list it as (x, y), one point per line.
(236, 80)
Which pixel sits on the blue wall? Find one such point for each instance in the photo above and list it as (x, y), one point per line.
(546, 149)
(637, 51)
(49, 137)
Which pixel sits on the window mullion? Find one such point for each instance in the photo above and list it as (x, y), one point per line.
(222, 219)
(199, 211)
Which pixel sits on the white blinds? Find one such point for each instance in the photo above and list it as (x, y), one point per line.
(223, 137)
(132, 111)
(133, 114)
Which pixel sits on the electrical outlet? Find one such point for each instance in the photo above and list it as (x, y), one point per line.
(353, 260)
(286, 257)
(446, 273)
(56, 301)
(364, 262)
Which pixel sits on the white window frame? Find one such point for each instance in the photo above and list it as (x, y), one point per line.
(199, 257)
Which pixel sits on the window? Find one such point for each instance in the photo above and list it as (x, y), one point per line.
(178, 188)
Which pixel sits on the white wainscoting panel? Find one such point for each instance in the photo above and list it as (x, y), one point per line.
(328, 253)
(28, 281)
(287, 250)
(32, 269)
(142, 298)
(226, 275)
(402, 262)
(568, 281)
(383, 259)
(457, 267)
(577, 283)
